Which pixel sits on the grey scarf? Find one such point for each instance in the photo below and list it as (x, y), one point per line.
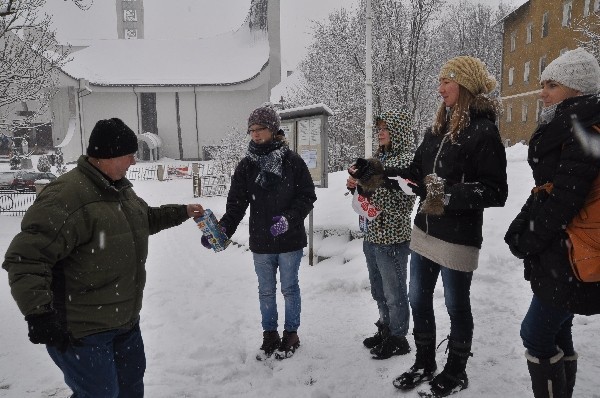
(269, 158)
(547, 113)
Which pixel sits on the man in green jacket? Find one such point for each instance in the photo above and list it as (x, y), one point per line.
(77, 268)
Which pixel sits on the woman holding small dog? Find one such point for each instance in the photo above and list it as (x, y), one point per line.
(458, 170)
(387, 236)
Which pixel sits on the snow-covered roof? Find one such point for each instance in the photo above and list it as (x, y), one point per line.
(515, 7)
(304, 111)
(228, 58)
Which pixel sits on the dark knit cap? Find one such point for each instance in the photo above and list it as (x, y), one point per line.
(265, 116)
(111, 138)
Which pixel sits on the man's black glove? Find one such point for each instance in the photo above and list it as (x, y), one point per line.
(512, 236)
(46, 329)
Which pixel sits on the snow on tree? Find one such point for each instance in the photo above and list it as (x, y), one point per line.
(43, 164)
(411, 41)
(227, 153)
(590, 29)
(60, 162)
(29, 55)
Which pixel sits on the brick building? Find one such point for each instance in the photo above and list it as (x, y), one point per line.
(535, 33)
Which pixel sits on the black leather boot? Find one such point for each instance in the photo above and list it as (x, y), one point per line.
(454, 376)
(424, 366)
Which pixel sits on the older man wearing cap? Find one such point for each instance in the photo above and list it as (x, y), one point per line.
(276, 184)
(77, 268)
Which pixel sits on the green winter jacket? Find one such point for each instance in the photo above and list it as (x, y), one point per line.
(82, 251)
(393, 225)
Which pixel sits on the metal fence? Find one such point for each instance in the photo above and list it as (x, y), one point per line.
(13, 203)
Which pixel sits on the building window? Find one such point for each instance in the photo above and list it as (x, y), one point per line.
(545, 24)
(567, 8)
(586, 8)
(524, 113)
(538, 111)
(529, 33)
(513, 41)
(509, 114)
(129, 16)
(131, 33)
(542, 64)
(526, 71)
(511, 76)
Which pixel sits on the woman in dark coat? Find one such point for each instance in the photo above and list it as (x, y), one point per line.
(563, 169)
(458, 170)
(277, 186)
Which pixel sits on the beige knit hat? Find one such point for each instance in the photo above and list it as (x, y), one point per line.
(470, 73)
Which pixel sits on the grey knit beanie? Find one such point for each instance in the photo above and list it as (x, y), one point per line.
(576, 69)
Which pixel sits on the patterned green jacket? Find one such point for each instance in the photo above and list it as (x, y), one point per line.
(393, 225)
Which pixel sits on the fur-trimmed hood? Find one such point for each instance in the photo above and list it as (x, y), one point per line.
(487, 107)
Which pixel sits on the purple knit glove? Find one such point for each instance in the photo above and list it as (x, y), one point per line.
(280, 226)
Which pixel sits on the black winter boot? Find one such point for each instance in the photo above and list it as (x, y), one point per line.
(454, 377)
(289, 343)
(548, 378)
(424, 366)
(385, 333)
(270, 343)
(392, 345)
(375, 340)
(570, 373)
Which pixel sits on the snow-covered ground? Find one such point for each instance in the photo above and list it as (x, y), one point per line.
(201, 320)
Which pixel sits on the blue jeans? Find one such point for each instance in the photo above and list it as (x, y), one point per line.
(387, 274)
(107, 365)
(266, 266)
(546, 327)
(457, 291)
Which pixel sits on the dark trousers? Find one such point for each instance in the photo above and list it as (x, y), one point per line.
(104, 365)
(545, 328)
(457, 295)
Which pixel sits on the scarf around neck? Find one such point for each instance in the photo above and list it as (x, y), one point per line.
(269, 158)
(547, 113)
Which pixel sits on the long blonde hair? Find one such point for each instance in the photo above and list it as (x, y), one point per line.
(456, 119)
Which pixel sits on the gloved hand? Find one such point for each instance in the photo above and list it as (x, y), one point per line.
(204, 239)
(46, 329)
(418, 190)
(530, 243)
(435, 199)
(361, 167)
(281, 225)
(205, 242)
(513, 234)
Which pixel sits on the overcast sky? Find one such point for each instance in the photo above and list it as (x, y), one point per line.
(202, 18)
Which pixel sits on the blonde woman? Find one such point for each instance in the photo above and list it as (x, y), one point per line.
(458, 170)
